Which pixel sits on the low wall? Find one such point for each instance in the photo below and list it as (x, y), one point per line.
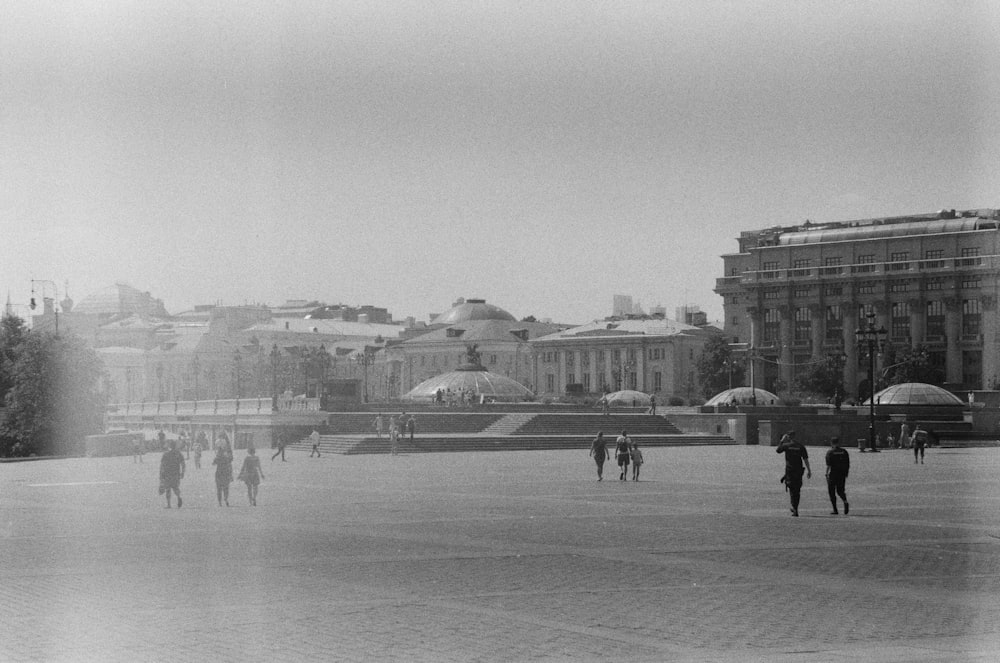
(112, 444)
(732, 424)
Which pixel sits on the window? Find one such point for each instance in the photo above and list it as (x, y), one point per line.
(831, 266)
(772, 293)
(570, 359)
(772, 325)
(833, 289)
(799, 263)
(970, 257)
(900, 321)
(899, 286)
(600, 356)
(830, 262)
(971, 283)
(934, 254)
(865, 263)
(866, 287)
(935, 284)
(898, 261)
(935, 321)
(631, 354)
(493, 359)
(802, 292)
(550, 382)
(971, 319)
(770, 266)
(586, 381)
(571, 378)
(834, 324)
(803, 325)
(864, 311)
(657, 381)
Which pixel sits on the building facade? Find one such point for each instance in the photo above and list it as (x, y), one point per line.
(798, 294)
(649, 354)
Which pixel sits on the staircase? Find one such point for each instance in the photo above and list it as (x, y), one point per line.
(509, 424)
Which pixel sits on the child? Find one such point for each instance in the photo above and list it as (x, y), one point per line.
(636, 461)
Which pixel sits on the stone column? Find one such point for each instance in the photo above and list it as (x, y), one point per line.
(756, 330)
(991, 360)
(817, 315)
(785, 339)
(918, 321)
(953, 335)
(850, 313)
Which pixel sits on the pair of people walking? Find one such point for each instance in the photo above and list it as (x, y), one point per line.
(172, 468)
(625, 451)
(838, 466)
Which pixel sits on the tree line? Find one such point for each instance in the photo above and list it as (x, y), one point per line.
(50, 390)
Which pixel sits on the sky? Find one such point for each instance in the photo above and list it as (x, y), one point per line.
(543, 156)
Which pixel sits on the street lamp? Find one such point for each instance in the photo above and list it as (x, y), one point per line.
(275, 358)
(837, 361)
(365, 359)
(871, 340)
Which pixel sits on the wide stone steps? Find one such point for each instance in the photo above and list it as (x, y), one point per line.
(344, 444)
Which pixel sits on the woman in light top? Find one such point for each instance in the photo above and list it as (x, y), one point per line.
(251, 474)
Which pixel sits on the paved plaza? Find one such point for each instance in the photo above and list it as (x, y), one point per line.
(506, 556)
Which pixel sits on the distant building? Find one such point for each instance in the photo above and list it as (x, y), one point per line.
(799, 293)
(690, 314)
(652, 355)
(623, 305)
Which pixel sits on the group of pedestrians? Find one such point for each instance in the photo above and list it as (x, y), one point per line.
(173, 467)
(398, 425)
(626, 452)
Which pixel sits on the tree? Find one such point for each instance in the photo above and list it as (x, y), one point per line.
(55, 397)
(824, 379)
(714, 365)
(529, 318)
(906, 364)
(12, 333)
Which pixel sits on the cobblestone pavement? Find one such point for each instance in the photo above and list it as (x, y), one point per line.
(510, 556)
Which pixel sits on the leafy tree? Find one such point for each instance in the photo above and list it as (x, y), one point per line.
(54, 400)
(529, 318)
(906, 364)
(12, 333)
(714, 365)
(824, 379)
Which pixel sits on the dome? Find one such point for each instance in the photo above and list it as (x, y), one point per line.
(627, 398)
(916, 393)
(472, 309)
(479, 382)
(744, 396)
(119, 299)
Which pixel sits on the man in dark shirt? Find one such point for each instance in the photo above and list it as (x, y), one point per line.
(838, 465)
(795, 456)
(171, 473)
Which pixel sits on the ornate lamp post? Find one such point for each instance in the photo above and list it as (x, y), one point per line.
(838, 361)
(365, 359)
(275, 359)
(871, 340)
(196, 369)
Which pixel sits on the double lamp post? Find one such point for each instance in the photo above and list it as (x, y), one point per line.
(871, 339)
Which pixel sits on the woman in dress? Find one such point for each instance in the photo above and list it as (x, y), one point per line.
(251, 474)
(223, 462)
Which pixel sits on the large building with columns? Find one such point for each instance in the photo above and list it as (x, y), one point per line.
(798, 294)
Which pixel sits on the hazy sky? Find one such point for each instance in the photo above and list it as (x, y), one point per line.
(541, 155)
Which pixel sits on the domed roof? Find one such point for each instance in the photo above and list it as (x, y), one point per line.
(916, 393)
(479, 382)
(472, 309)
(627, 398)
(118, 299)
(744, 396)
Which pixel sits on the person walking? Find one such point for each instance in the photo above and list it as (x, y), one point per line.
(282, 442)
(652, 404)
(411, 427)
(795, 457)
(251, 474)
(137, 443)
(197, 455)
(223, 462)
(171, 473)
(919, 442)
(622, 454)
(599, 451)
(637, 461)
(393, 435)
(838, 466)
(379, 425)
(314, 438)
(904, 436)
